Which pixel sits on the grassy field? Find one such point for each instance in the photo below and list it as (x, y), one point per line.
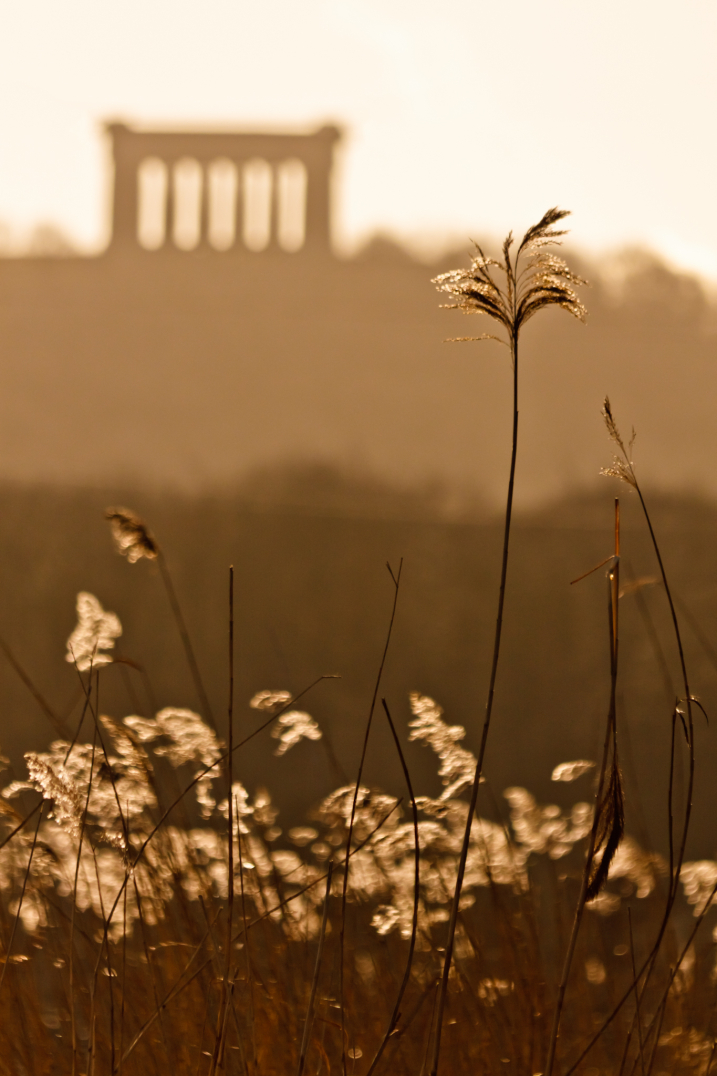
(157, 914)
(122, 951)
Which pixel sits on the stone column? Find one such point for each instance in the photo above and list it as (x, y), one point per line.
(169, 206)
(125, 204)
(318, 161)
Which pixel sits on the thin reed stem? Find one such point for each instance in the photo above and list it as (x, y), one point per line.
(656, 1041)
(16, 920)
(344, 889)
(230, 773)
(83, 823)
(21, 825)
(542, 281)
(416, 897)
(184, 636)
(315, 980)
(637, 992)
(148, 958)
(247, 958)
(408, 1021)
(55, 720)
(690, 721)
(85, 705)
(104, 942)
(94, 711)
(221, 1016)
(600, 793)
(624, 469)
(124, 980)
(453, 921)
(670, 791)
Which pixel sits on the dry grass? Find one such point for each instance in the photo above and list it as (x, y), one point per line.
(155, 918)
(114, 936)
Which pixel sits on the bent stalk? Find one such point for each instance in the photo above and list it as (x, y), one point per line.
(600, 799)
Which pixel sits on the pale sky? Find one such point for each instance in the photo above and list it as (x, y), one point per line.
(463, 117)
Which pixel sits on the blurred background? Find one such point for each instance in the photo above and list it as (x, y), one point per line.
(219, 225)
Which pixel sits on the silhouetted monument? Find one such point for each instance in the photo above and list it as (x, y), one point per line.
(241, 191)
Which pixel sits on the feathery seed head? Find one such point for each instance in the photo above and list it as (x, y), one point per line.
(188, 737)
(619, 469)
(544, 280)
(270, 701)
(293, 727)
(131, 535)
(458, 766)
(570, 771)
(699, 880)
(622, 466)
(56, 785)
(96, 630)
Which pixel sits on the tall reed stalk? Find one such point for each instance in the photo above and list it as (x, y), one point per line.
(609, 816)
(227, 985)
(533, 279)
(623, 468)
(396, 579)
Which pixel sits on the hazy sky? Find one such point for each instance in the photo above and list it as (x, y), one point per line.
(462, 117)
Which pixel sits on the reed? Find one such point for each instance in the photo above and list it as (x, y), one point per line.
(533, 280)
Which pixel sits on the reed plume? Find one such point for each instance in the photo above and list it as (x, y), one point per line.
(132, 538)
